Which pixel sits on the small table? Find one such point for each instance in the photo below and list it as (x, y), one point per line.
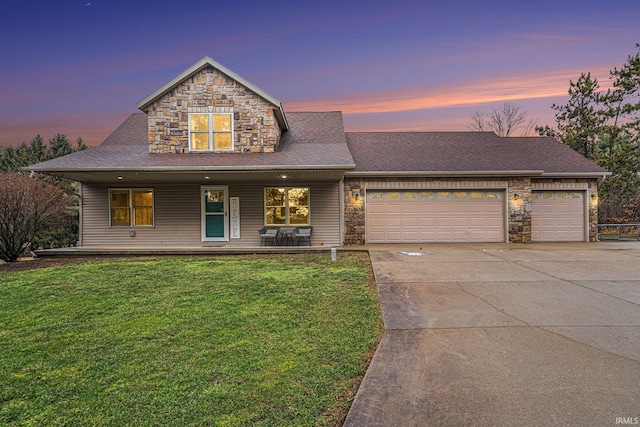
(286, 236)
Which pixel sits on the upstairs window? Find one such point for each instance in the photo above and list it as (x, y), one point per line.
(131, 207)
(210, 131)
(286, 206)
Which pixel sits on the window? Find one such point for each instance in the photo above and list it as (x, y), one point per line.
(286, 206)
(131, 207)
(210, 131)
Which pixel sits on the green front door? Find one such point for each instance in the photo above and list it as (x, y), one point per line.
(215, 224)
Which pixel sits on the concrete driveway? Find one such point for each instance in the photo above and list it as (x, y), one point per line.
(497, 335)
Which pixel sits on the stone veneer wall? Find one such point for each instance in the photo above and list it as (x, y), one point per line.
(519, 210)
(255, 128)
(519, 218)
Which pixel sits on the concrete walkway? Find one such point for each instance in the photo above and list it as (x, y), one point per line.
(498, 335)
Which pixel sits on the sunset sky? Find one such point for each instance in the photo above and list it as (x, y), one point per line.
(80, 67)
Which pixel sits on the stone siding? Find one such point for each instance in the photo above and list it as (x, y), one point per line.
(518, 192)
(255, 128)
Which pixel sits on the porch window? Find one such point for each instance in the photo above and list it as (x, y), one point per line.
(131, 207)
(210, 131)
(286, 206)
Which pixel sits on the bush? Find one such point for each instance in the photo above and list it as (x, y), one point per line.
(28, 206)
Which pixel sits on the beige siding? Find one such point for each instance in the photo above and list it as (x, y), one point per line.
(177, 216)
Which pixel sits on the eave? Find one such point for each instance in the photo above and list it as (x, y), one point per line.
(151, 175)
(396, 174)
(492, 173)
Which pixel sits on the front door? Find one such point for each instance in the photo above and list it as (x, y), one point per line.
(215, 213)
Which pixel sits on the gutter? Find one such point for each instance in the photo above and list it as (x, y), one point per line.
(373, 174)
(260, 168)
(532, 173)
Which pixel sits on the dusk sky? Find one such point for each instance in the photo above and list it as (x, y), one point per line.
(80, 67)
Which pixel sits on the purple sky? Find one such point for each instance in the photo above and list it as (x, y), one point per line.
(80, 67)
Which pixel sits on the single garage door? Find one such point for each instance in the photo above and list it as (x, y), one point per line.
(434, 216)
(557, 216)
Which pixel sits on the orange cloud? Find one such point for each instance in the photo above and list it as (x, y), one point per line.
(506, 88)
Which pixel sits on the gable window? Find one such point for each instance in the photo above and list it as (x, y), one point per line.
(286, 206)
(131, 207)
(210, 131)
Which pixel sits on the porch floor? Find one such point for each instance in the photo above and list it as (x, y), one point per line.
(85, 251)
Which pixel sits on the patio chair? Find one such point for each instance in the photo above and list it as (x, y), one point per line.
(302, 234)
(269, 234)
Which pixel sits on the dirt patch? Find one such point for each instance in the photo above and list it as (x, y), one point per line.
(33, 263)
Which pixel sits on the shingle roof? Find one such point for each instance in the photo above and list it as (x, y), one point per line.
(463, 152)
(314, 140)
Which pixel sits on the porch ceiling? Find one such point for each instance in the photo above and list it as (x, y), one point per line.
(201, 176)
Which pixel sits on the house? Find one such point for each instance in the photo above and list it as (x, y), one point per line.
(212, 158)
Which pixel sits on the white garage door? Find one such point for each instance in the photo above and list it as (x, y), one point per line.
(557, 216)
(434, 216)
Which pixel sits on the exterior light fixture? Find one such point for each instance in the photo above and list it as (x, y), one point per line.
(206, 177)
(283, 176)
(120, 178)
(356, 195)
(516, 196)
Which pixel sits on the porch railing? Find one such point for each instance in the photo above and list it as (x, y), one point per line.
(619, 231)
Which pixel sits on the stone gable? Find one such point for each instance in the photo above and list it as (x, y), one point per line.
(210, 91)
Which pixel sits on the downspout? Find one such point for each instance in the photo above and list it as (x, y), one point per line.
(342, 210)
(80, 203)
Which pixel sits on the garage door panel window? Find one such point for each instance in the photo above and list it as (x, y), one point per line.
(426, 195)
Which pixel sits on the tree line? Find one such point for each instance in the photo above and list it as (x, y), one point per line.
(36, 211)
(603, 126)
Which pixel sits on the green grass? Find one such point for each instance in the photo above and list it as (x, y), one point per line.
(254, 340)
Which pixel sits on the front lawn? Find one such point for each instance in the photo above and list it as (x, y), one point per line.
(270, 340)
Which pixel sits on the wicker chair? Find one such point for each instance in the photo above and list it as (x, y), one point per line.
(269, 234)
(303, 234)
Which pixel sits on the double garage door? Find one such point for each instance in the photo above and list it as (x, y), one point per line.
(468, 216)
(434, 216)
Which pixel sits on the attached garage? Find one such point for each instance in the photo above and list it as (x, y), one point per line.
(418, 216)
(557, 216)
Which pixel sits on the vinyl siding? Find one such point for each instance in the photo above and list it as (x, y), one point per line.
(177, 216)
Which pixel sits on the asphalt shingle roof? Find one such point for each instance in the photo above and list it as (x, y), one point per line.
(318, 140)
(462, 152)
(313, 140)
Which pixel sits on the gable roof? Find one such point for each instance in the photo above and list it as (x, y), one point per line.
(464, 153)
(201, 65)
(314, 141)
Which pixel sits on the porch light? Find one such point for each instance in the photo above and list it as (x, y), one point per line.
(206, 177)
(120, 178)
(356, 195)
(283, 176)
(516, 196)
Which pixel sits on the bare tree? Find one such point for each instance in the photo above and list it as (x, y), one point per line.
(27, 206)
(504, 121)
